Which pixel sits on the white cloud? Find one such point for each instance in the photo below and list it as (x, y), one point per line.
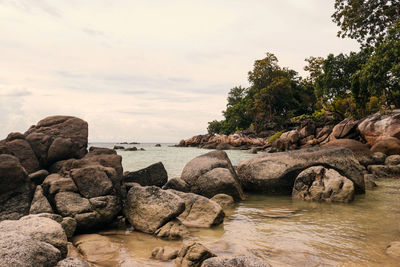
(146, 70)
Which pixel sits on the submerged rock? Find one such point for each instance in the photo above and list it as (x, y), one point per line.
(211, 174)
(235, 261)
(148, 208)
(172, 230)
(275, 173)
(154, 174)
(224, 200)
(164, 253)
(193, 255)
(323, 184)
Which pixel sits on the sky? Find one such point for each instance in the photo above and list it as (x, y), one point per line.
(147, 71)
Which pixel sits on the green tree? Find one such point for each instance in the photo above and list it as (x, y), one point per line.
(366, 20)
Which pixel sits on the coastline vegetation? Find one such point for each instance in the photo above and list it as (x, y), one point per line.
(338, 86)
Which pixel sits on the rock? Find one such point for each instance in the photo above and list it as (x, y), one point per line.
(287, 140)
(31, 241)
(345, 129)
(172, 230)
(393, 249)
(164, 253)
(235, 261)
(177, 184)
(85, 179)
(193, 255)
(253, 150)
(378, 126)
(107, 207)
(118, 147)
(40, 204)
(155, 174)
(323, 184)
(148, 208)
(376, 158)
(15, 136)
(369, 180)
(23, 151)
(387, 145)
(385, 171)
(38, 176)
(16, 191)
(69, 226)
(55, 183)
(275, 173)
(97, 249)
(158, 145)
(58, 137)
(199, 211)
(359, 149)
(72, 262)
(69, 204)
(393, 160)
(224, 200)
(88, 220)
(211, 174)
(224, 146)
(131, 149)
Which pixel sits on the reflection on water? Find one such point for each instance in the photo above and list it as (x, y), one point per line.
(296, 233)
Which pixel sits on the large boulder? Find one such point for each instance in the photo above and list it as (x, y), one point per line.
(199, 211)
(21, 149)
(57, 138)
(378, 126)
(32, 241)
(155, 174)
(148, 208)
(387, 145)
(345, 129)
(16, 190)
(193, 255)
(275, 173)
(235, 261)
(359, 149)
(211, 174)
(322, 184)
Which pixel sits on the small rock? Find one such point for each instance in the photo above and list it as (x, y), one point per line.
(154, 174)
(73, 262)
(224, 200)
(40, 204)
(158, 145)
(118, 147)
(164, 253)
(38, 177)
(193, 255)
(385, 171)
(69, 226)
(172, 230)
(235, 261)
(393, 160)
(369, 180)
(131, 149)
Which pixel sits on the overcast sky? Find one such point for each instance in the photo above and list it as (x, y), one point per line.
(148, 71)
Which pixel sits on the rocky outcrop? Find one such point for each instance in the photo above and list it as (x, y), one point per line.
(16, 190)
(57, 138)
(193, 255)
(387, 145)
(155, 174)
(199, 211)
(32, 241)
(322, 184)
(235, 261)
(148, 208)
(378, 126)
(211, 174)
(275, 173)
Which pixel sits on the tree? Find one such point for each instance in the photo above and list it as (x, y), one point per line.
(366, 21)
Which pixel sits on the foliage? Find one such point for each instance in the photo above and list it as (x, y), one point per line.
(365, 20)
(275, 136)
(214, 127)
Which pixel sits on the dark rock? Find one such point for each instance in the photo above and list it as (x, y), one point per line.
(158, 145)
(211, 174)
(235, 261)
(345, 129)
(199, 211)
(177, 184)
(118, 147)
(40, 204)
(15, 136)
(38, 176)
(322, 184)
(16, 191)
(369, 180)
(359, 149)
(385, 171)
(107, 207)
(148, 208)
(55, 183)
(131, 149)
(193, 255)
(69, 204)
(69, 226)
(94, 181)
(393, 160)
(155, 174)
(275, 173)
(58, 137)
(23, 151)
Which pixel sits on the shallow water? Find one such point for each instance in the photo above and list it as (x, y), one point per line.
(292, 232)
